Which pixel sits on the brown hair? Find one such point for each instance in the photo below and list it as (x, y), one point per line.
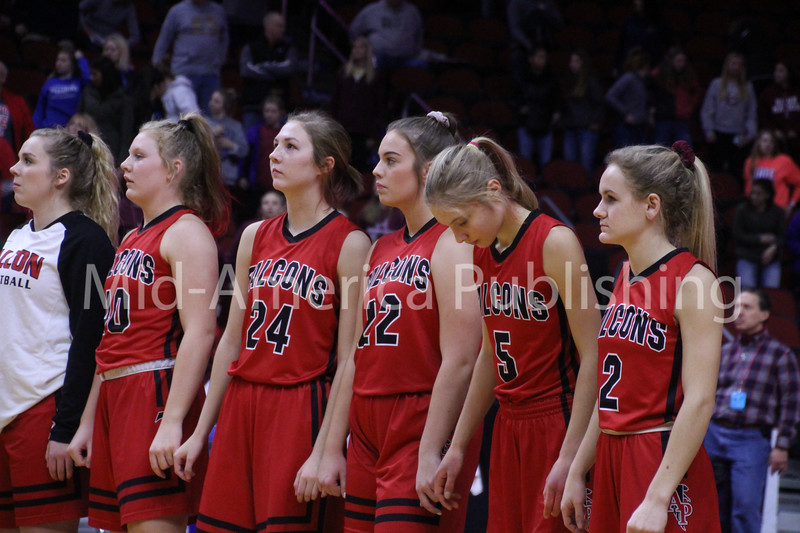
(191, 140)
(427, 136)
(330, 139)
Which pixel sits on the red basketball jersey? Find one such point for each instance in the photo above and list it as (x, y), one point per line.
(525, 317)
(398, 351)
(142, 322)
(290, 328)
(639, 347)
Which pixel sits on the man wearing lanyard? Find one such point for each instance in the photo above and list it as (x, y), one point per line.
(758, 389)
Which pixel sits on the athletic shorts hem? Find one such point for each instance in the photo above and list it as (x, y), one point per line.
(146, 514)
(41, 519)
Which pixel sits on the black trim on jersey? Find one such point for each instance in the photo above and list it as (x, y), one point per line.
(365, 517)
(55, 485)
(157, 385)
(282, 520)
(360, 501)
(567, 348)
(221, 524)
(633, 278)
(160, 218)
(664, 441)
(175, 334)
(66, 495)
(309, 232)
(411, 238)
(398, 502)
(675, 376)
(145, 480)
(103, 493)
(154, 493)
(104, 507)
(501, 256)
(315, 414)
(432, 520)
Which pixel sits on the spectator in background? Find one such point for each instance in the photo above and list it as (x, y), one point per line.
(630, 98)
(676, 96)
(261, 142)
(266, 66)
(82, 122)
(758, 389)
(61, 93)
(106, 102)
(176, 93)
(46, 20)
(538, 104)
(359, 102)
(115, 47)
(101, 18)
(530, 22)
(7, 160)
(758, 230)
(793, 247)
(779, 109)
(583, 111)
(765, 162)
(729, 116)
(16, 123)
(228, 135)
(394, 27)
(645, 28)
(197, 31)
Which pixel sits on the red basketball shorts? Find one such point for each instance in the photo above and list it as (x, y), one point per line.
(28, 495)
(526, 441)
(123, 487)
(382, 460)
(624, 468)
(263, 437)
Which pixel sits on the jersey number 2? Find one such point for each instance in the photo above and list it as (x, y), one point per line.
(612, 367)
(276, 333)
(390, 309)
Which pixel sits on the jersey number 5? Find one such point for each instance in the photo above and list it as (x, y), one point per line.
(612, 367)
(277, 333)
(507, 367)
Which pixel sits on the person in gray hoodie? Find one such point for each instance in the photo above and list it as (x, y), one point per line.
(197, 30)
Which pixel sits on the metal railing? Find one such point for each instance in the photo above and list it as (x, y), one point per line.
(317, 35)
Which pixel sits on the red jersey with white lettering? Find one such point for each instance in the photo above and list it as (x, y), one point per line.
(398, 351)
(142, 322)
(290, 328)
(639, 347)
(525, 317)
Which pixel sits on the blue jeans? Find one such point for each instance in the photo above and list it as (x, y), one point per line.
(756, 275)
(740, 458)
(543, 144)
(204, 86)
(666, 132)
(581, 145)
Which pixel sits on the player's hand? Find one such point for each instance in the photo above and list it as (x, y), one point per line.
(306, 487)
(554, 487)
(649, 517)
(186, 455)
(332, 474)
(165, 443)
(59, 463)
(426, 473)
(444, 483)
(80, 448)
(573, 500)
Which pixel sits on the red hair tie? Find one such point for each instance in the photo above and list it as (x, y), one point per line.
(685, 152)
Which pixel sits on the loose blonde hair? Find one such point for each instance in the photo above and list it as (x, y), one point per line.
(459, 176)
(94, 186)
(124, 61)
(202, 189)
(686, 203)
(740, 80)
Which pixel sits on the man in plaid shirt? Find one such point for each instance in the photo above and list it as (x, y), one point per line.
(758, 389)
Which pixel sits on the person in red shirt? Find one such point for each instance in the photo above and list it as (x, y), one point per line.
(16, 121)
(765, 162)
